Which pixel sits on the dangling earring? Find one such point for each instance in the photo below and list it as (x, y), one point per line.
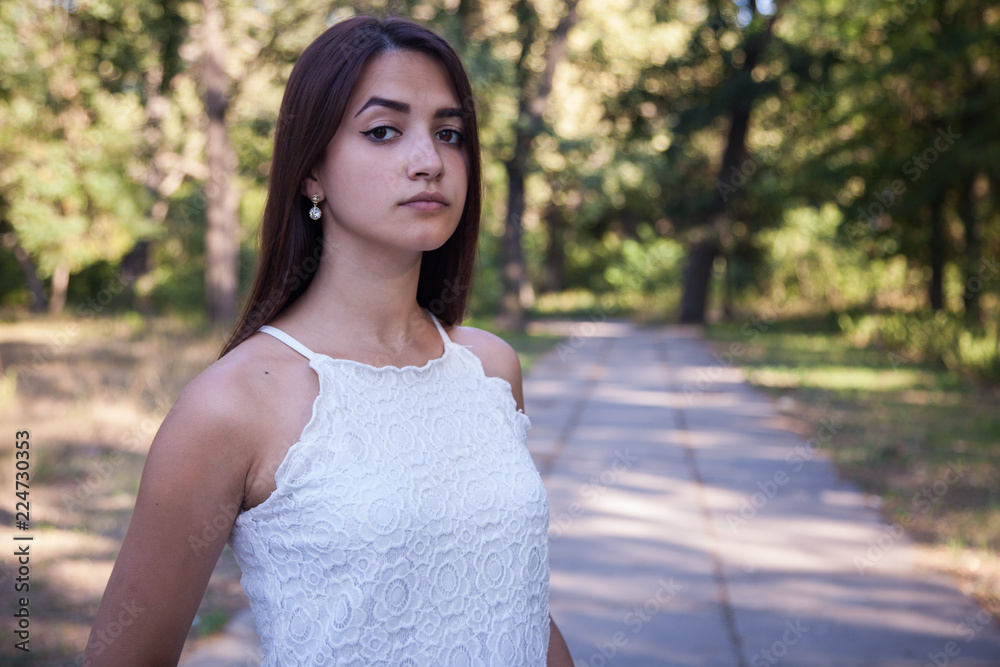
(314, 212)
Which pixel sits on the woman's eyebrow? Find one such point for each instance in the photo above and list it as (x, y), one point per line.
(403, 107)
(382, 102)
(450, 113)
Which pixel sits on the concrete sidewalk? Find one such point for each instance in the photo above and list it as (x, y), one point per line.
(688, 527)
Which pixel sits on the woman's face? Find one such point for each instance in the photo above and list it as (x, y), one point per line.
(395, 174)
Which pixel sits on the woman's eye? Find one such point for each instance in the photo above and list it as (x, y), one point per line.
(450, 136)
(380, 134)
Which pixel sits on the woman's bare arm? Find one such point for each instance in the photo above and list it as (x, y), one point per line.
(191, 490)
(558, 651)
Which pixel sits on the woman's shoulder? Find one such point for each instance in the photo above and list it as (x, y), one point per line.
(499, 359)
(491, 349)
(232, 393)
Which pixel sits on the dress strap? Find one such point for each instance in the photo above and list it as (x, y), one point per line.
(288, 340)
(444, 336)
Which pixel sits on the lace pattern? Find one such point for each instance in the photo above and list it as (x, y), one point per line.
(408, 526)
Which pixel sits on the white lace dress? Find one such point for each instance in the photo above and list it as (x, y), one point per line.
(409, 524)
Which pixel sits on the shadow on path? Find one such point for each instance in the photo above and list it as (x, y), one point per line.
(690, 528)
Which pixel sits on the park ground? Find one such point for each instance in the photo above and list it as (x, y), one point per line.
(93, 393)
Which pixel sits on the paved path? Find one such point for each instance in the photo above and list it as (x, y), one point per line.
(689, 528)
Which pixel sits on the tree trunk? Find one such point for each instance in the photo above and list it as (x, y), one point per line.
(555, 255)
(60, 286)
(727, 288)
(30, 271)
(533, 98)
(511, 311)
(221, 226)
(936, 287)
(135, 264)
(697, 279)
(969, 202)
(630, 225)
(698, 275)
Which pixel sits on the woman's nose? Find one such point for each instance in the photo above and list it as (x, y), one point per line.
(425, 158)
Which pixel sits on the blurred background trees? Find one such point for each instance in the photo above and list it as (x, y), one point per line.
(687, 160)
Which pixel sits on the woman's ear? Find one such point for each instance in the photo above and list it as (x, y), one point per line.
(311, 186)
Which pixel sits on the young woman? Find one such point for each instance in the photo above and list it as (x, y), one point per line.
(363, 455)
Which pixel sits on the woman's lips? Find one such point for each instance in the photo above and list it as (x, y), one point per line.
(424, 205)
(426, 201)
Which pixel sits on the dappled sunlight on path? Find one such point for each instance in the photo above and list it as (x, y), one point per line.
(690, 526)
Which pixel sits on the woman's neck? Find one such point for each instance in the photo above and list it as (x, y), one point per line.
(366, 301)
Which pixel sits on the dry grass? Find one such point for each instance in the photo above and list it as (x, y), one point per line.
(92, 395)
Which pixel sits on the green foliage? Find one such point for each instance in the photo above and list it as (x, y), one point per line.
(643, 265)
(177, 281)
(640, 274)
(91, 280)
(12, 290)
(72, 128)
(808, 263)
(486, 284)
(924, 337)
(211, 622)
(101, 144)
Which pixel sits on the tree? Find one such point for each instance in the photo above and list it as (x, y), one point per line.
(910, 147)
(715, 84)
(533, 85)
(221, 223)
(69, 129)
(100, 79)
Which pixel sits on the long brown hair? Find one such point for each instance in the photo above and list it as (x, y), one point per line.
(315, 100)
